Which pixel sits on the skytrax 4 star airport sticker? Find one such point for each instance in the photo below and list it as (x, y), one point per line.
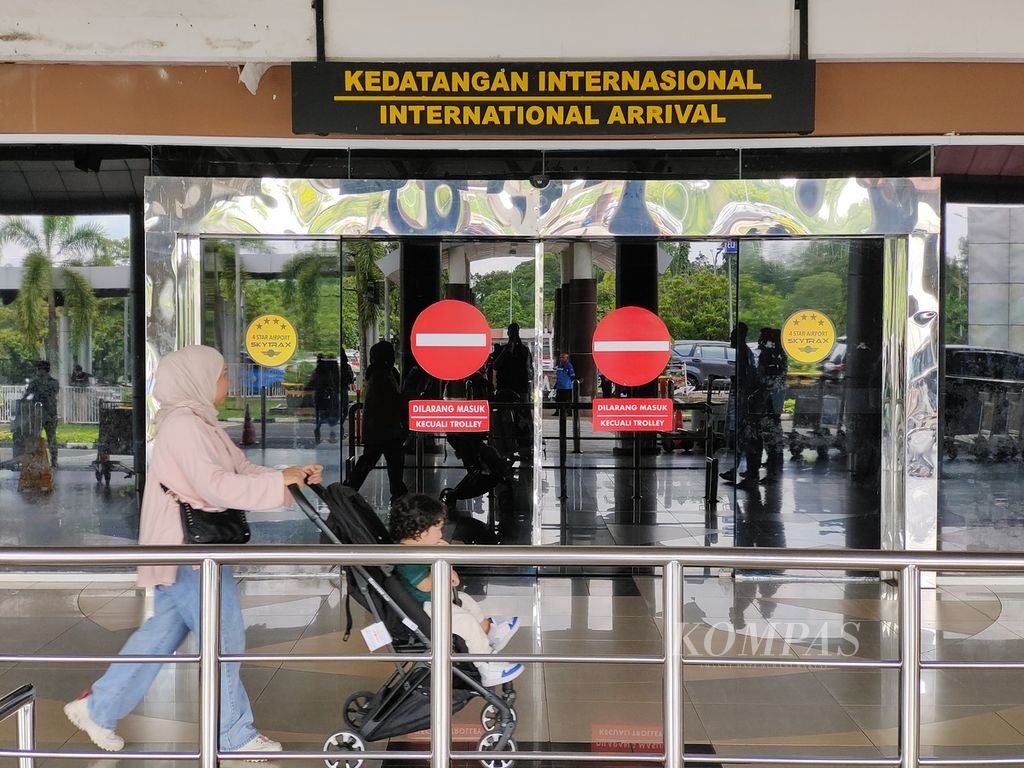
(808, 336)
(271, 341)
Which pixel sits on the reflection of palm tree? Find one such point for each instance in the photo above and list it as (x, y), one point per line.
(303, 274)
(365, 254)
(302, 279)
(58, 241)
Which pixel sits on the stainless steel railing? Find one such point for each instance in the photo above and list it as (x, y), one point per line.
(907, 565)
(22, 701)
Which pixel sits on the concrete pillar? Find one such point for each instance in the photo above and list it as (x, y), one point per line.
(419, 286)
(84, 356)
(458, 275)
(582, 317)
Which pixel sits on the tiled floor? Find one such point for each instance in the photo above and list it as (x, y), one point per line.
(767, 711)
(580, 707)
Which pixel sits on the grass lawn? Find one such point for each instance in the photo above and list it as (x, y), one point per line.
(66, 433)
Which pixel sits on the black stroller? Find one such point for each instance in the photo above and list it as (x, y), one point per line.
(402, 705)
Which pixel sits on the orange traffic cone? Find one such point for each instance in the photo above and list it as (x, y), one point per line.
(248, 431)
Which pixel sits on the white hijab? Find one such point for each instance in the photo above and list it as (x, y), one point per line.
(187, 378)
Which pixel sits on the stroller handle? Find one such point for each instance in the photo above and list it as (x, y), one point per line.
(310, 511)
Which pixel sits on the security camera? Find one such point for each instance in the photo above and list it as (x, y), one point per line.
(540, 180)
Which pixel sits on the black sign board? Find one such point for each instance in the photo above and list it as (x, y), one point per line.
(553, 99)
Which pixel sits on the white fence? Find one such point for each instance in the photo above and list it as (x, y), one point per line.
(245, 379)
(75, 405)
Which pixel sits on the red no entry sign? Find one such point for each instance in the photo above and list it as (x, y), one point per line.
(451, 339)
(631, 346)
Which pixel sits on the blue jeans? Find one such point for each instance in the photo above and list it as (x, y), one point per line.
(176, 613)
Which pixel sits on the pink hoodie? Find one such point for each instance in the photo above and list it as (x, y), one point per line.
(198, 461)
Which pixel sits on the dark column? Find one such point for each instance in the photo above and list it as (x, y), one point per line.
(459, 292)
(137, 335)
(862, 382)
(636, 284)
(582, 314)
(420, 286)
(565, 317)
(556, 321)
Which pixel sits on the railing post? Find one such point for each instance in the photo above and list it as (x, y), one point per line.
(910, 669)
(576, 416)
(27, 733)
(441, 684)
(209, 664)
(263, 417)
(672, 591)
(563, 492)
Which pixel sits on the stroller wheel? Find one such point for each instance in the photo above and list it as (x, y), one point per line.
(344, 741)
(356, 705)
(490, 715)
(489, 743)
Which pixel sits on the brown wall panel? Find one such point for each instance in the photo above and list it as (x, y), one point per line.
(852, 99)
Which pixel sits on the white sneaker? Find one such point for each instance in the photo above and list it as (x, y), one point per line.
(494, 673)
(260, 743)
(501, 632)
(77, 712)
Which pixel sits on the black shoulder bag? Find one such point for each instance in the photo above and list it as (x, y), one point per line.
(202, 527)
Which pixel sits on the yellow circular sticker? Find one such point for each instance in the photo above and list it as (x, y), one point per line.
(808, 336)
(270, 340)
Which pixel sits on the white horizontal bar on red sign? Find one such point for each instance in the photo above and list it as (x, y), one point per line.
(449, 416)
(651, 345)
(451, 340)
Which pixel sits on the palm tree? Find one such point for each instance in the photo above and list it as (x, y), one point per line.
(59, 241)
(302, 276)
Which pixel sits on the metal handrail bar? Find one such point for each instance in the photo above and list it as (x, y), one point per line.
(22, 702)
(825, 662)
(725, 557)
(50, 755)
(972, 664)
(731, 760)
(393, 657)
(672, 560)
(172, 659)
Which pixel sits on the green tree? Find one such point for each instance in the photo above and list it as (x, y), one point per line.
(760, 305)
(57, 242)
(108, 341)
(955, 297)
(695, 305)
(605, 294)
(303, 278)
(496, 309)
(823, 292)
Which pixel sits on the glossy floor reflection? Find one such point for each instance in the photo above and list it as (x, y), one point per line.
(589, 708)
(814, 504)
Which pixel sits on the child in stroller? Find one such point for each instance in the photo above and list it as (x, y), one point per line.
(402, 704)
(418, 519)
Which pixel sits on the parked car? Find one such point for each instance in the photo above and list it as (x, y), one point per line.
(984, 404)
(703, 359)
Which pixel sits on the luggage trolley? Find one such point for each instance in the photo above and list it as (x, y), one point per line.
(115, 439)
(820, 411)
(26, 425)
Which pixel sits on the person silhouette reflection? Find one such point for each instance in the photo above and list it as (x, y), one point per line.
(758, 524)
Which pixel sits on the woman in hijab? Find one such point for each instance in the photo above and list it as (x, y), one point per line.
(195, 460)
